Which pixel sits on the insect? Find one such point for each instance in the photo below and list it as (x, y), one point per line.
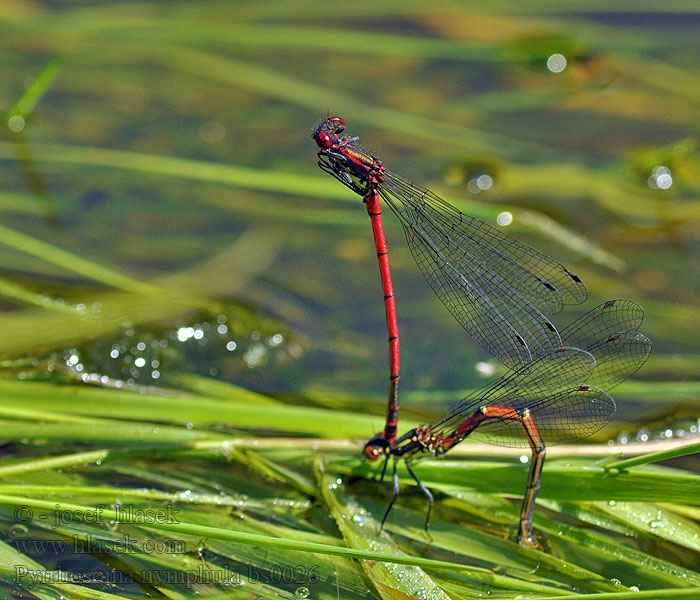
(498, 288)
(562, 397)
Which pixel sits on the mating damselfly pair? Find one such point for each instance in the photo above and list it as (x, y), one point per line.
(501, 291)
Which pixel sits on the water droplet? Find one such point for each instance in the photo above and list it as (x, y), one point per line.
(359, 519)
(660, 178)
(484, 181)
(485, 369)
(18, 530)
(504, 219)
(15, 123)
(185, 333)
(556, 63)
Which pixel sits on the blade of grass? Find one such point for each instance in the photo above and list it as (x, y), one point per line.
(153, 495)
(655, 520)
(586, 546)
(181, 408)
(652, 594)
(274, 470)
(30, 330)
(105, 433)
(201, 531)
(625, 463)
(261, 80)
(74, 263)
(258, 179)
(11, 290)
(559, 482)
(536, 571)
(272, 181)
(36, 90)
(360, 529)
(16, 568)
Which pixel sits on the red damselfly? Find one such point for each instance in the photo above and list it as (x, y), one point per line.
(561, 397)
(497, 288)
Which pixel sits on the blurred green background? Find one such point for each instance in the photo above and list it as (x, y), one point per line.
(164, 229)
(158, 186)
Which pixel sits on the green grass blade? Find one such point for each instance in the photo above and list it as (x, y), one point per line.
(258, 179)
(226, 534)
(72, 262)
(181, 408)
(36, 90)
(655, 520)
(559, 482)
(105, 433)
(626, 463)
(650, 594)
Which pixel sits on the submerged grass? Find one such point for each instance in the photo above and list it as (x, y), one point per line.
(273, 498)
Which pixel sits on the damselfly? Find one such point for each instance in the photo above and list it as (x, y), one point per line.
(562, 397)
(497, 288)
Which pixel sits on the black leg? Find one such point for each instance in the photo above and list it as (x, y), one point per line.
(526, 535)
(396, 495)
(386, 463)
(426, 492)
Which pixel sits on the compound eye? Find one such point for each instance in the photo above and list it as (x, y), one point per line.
(324, 140)
(372, 453)
(337, 123)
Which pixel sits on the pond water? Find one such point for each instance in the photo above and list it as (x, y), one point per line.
(174, 148)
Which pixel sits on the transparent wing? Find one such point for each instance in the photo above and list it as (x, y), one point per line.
(487, 312)
(547, 284)
(609, 332)
(565, 392)
(484, 297)
(560, 418)
(618, 357)
(551, 375)
(603, 320)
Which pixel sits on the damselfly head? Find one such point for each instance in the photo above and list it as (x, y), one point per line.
(326, 134)
(373, 452)
(376, 447)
